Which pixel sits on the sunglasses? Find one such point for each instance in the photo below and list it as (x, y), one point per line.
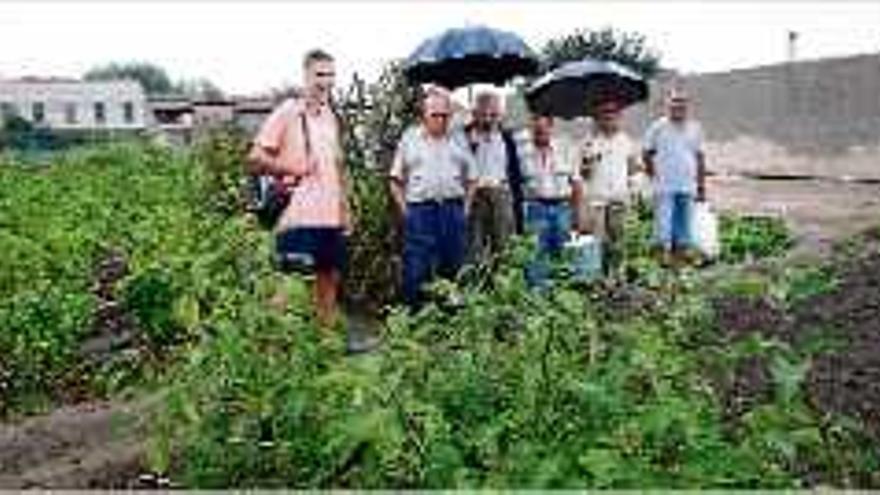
(439, 115)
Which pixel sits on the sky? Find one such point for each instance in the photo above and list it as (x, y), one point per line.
(249, 47)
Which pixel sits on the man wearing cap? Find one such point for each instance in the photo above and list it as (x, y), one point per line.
(675, 161)
(430, 179)
(299, 143)
(609, 161)
(553, 192)
(497, 184)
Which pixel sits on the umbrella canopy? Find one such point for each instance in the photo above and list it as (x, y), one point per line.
(462, 56)
(575, 89)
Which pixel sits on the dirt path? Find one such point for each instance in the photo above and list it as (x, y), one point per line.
(818, 212)
(92, 445)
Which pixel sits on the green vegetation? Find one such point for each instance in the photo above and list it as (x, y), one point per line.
(627, 48)
(624, 384)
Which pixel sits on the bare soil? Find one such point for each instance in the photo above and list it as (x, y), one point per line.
(818, 211)
(90, 445)
(843, 381)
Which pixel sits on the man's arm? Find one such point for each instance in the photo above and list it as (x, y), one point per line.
(397, 175)
(398, 194)
(469, 173)
(577, 201)
(649, 147)
(263, 155)
(701, 176)
(262, 160)
(633, 162)
(648, 160)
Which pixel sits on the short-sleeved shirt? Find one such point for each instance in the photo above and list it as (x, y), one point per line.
(548, 173)
(432, 169)
(490, 158)
(675, 148)
(609, 173)
(318, 199)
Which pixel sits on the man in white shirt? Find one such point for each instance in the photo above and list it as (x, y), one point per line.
(674, 159)
(609, 161)
(430, 178)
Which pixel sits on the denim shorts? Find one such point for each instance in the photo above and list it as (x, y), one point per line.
(320, 248)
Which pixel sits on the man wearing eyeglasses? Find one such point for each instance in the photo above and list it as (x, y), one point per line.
(430, 179)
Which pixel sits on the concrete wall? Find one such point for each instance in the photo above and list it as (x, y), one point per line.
(59, 97)
(813, 117)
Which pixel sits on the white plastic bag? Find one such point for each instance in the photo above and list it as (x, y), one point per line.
(705, 230)
(585, 253)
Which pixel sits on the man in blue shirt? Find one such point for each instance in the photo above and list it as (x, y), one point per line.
(674, 159)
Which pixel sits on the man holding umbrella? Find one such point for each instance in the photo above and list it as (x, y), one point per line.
(599, 88)
(609, 161)
(674, 159)
(430, 178)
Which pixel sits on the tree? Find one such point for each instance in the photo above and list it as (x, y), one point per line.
(626, 48)
(200, 88)
(153, 78)
(393, 107)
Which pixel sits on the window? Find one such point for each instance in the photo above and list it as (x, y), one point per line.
(70, 113)
(100, 112)
(8, 110)
(128, 110)
(38, 112)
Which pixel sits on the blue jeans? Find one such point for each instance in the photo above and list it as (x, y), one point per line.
(551, 222)
(672, 220)
(434, 241)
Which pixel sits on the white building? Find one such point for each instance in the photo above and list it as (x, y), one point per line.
(67, 104)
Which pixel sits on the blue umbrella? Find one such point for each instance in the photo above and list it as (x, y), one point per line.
(574, 89)
(462, 56)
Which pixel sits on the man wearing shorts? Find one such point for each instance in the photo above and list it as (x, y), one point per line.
(300, 144)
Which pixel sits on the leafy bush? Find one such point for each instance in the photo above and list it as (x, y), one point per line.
(59, 221)
(512, 390)
(753, 237)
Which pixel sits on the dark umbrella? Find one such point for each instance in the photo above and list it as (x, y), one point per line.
(462, 56)
(575, 89)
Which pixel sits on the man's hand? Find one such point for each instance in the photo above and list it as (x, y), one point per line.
(348, 225)
(289, 181)
(581, 226)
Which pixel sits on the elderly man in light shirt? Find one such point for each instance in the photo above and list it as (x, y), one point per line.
(674, 159)
(610, 159)
(492, 218)
(430, 180)
(553, 191)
